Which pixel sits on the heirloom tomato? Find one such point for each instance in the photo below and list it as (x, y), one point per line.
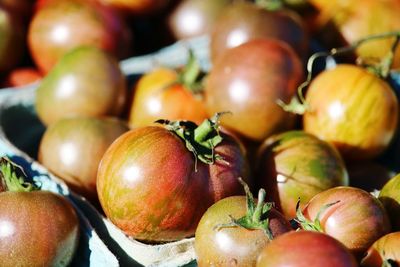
(248, 80)
(351, 215)
(243, 21)
(155, 183)
(305, 249)
(295, 165)
(72, 149)
(38, 228)
(386, 248)
(353, 109)
(86, 82)
(169, 94)
(235, 229)
(59, 26)
(390, 198)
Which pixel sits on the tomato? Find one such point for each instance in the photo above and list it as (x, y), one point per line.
(390, 198)
(137, 7)
(72, 149)
(22, 76)
(59, 26)
(153, 187)
(305, 249)
(219, 241)
(38, 228)
(248, 80)
(358, 19)
(385, 248)
(86, 82)
(243, 21)
(161, 94)
(353, 216)
(341, 101)
(12, 40)
(295, 165)
(192, 18)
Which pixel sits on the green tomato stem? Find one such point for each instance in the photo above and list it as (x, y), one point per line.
(299, 105)
(9, 179)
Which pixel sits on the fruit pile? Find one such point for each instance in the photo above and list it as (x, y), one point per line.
(299, 107)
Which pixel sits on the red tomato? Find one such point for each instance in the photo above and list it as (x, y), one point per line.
(248, 80)
(305, 249)
(159, 94)
(38, 228)
(154, 189)
(137, 7)
(353, 109)
(355, 217)
(59, 26)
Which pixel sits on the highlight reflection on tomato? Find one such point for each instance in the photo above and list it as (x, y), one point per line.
(353, 109)
(154, 189)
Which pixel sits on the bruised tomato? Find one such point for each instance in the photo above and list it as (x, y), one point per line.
(248, 80)
(305, 249)
(155, 183)
(353, 109)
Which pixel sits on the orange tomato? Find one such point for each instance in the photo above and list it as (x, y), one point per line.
(159, 95)
(353, 109)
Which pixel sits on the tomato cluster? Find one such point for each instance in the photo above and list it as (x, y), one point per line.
(179, 151)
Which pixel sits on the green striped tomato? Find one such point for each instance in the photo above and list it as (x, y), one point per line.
(353, 109)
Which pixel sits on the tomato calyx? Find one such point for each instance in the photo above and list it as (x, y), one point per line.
(200, 140)
(13, 178)
(314, 225)
(389, 263)
(191, 76)
(257, 215)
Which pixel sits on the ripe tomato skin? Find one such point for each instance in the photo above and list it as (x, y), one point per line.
(38, 229)
(386, 247)
(243, 21)
(156, 98)
(94, 89)
(357, 220)
(305, 249)
(232, 246)
(137, 7)
(295, 165)
(73, 147)
(248, 80)
(59, 26)
(22, 76)
(149, 186)
(341, 101)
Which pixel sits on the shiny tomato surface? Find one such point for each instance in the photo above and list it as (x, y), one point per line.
(247, 81)
(305, 249)
(353, 109)
(159, 95)
(37, 229)
(235, 245)
(150, 185)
